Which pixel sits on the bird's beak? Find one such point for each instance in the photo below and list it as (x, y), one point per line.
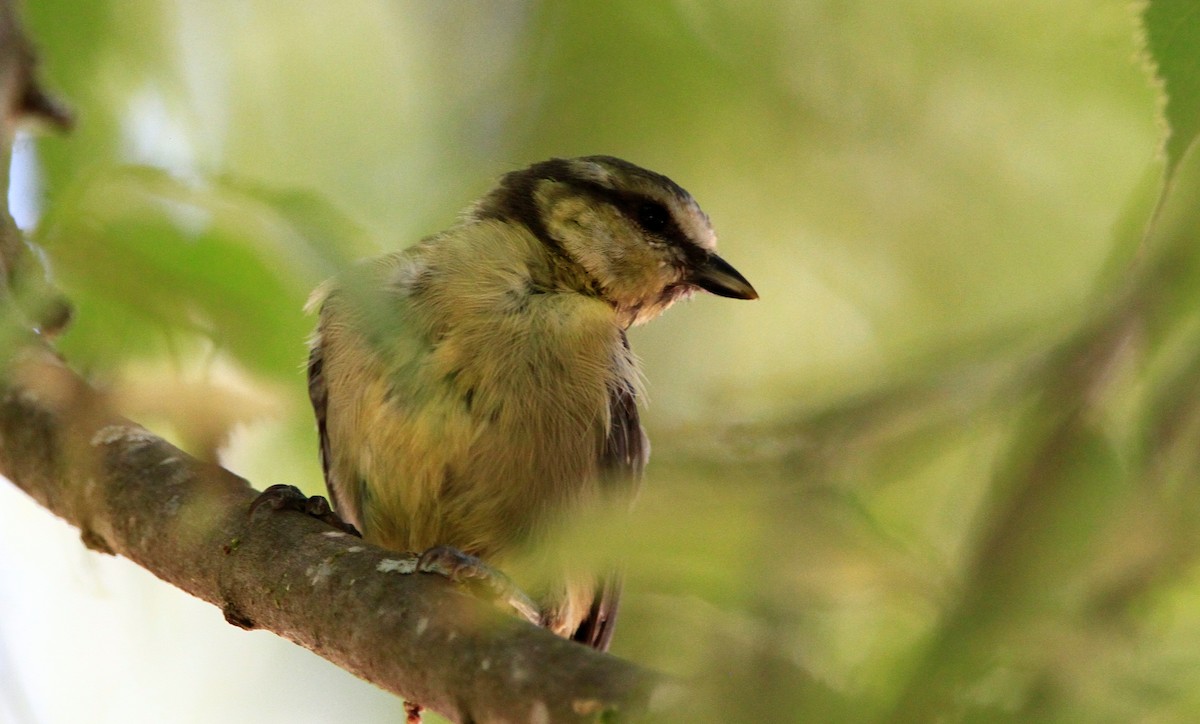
(715, 275)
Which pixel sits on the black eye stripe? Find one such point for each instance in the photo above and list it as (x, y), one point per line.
(653, 217)
(650, 214)
(515, 200)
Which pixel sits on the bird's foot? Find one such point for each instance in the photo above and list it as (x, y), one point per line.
(412, 713)
(289, 497)
(463, 568)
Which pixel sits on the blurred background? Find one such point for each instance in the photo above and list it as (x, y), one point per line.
(943, 468)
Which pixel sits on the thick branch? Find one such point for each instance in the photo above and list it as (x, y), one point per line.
(415, 635)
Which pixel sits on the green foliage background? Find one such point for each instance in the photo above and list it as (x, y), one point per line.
(944, 468)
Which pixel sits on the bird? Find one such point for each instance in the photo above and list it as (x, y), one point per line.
(475, 391)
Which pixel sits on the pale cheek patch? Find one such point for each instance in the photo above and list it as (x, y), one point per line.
(639, 272)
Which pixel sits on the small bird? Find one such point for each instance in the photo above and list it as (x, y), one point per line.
(475, 391)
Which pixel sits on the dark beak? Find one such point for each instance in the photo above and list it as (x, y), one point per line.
(715, 275)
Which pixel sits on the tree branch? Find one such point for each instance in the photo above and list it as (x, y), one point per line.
(133, 494)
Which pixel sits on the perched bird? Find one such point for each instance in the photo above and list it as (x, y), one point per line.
(477, 389)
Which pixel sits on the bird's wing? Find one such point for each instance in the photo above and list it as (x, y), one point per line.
(597, 629)
(622, 461)
(318, 393)
(358, 329)
(626, 448)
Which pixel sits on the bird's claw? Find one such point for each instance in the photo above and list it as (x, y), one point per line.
(461, 567)
(289, 497)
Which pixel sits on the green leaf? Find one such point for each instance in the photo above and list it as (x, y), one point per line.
(149, 258)
(1172, 39)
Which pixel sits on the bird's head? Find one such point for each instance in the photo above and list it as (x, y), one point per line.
(638, 239)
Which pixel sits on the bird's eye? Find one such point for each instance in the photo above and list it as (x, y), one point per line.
(653, 217)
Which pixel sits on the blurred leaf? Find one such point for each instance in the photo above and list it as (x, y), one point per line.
(1172, 29)
(149, 258)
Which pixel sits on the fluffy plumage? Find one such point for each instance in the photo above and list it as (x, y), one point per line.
(477, 389)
